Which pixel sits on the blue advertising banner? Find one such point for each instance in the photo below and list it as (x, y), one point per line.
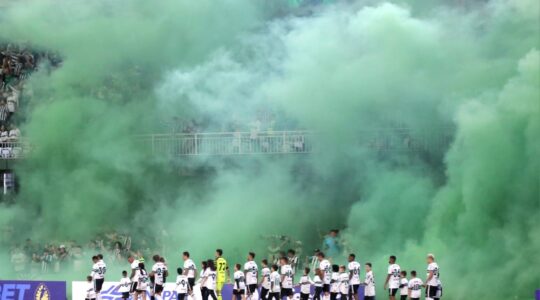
(32, 290)
(110, 292)
(537, 294)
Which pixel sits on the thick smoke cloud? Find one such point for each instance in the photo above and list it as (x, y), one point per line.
(348, 71)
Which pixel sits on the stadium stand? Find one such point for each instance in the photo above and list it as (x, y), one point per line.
(17, 62)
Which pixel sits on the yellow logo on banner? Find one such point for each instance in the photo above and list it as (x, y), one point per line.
(42, 293)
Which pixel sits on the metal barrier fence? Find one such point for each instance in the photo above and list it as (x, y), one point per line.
(406, 140)
(228, 143)
(289, 142)
(274, 142)
(13, 150)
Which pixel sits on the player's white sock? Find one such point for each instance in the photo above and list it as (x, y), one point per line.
(158, 297)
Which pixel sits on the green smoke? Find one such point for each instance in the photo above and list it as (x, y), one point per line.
(348, 71)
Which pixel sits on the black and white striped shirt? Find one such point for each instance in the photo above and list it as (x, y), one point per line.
(4, 111)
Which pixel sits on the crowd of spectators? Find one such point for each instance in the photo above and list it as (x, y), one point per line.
(262, 120)
(31, 258)
(17, 62)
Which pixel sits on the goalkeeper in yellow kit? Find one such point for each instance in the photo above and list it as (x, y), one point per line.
(222, 271)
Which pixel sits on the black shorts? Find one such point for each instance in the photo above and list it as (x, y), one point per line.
(369, 297)
(98, 284)
(252, 288)
(191, 282)
(125, 295)
(304, 296)
(238, 292)
(392, 292)
(286, 292)
(133, 287)
(274, 295)
(354, 289)
(181, 296)
(431, 291)
(403, 297)
(326, 288)
(158, 288)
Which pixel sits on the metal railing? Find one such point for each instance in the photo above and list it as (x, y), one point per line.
(228, 143)
(269, 142)
(14, 150)
(406, 140)
(289, 142)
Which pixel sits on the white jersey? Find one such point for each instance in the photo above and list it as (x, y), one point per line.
(190, 267)
(305, 285)
(287, 273)
(135, 266)
(125, 285)
(415, 286)
(98, 270)
(344, 283)
(354, 268)
(159, 269)
(317, 281)
(251, 269)
(89, 292)
(265, 273)
(326, 268)
(239, 280)
(182, 284)
(201, 276)
(404, 287)
(434, 267)
(210, 282)
(142, 283)
(369, 290)
(275, 280)
(334, 283)
(393, 271)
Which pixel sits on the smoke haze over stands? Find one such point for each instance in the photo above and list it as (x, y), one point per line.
(468, 70)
